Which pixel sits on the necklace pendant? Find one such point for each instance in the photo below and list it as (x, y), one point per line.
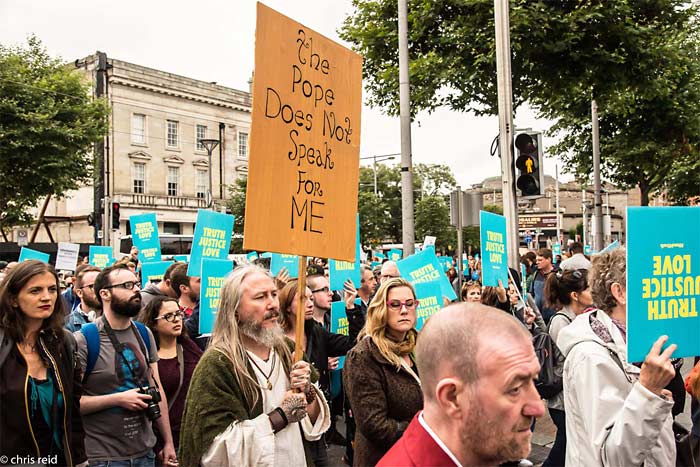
(269, 385)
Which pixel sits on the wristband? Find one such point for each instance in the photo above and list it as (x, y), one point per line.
(278, 420)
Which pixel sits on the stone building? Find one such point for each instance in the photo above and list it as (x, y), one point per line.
(540, 215)
(153, 159)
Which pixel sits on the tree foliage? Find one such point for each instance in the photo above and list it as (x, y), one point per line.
(48, 124)
(637, 58)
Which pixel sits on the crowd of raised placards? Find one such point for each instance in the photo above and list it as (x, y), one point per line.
(99, 371)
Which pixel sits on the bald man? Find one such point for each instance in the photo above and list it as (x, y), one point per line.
(389, 271)
(477, 368)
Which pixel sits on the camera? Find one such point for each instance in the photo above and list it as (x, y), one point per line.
(152, 410)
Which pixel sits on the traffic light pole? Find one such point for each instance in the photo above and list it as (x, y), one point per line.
(597, 196)
(505, 124)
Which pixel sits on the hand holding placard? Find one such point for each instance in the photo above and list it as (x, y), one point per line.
(657, 369)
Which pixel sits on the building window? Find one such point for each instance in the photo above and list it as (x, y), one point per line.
(173, 180)
(138, 129)
(138, 175)
(243, 145)
(201, 134)
(171, 228)
(201, 183)
(172, 135)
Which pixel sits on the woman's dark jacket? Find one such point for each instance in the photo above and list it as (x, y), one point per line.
(383, 399)
(321, 343)
(17, 437)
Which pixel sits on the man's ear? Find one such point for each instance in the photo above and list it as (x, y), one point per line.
(105, 295)
(449, 393)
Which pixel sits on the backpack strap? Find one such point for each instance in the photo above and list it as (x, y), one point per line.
(92, 339)
(143, 331)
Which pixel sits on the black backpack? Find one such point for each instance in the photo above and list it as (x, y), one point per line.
(550, 381)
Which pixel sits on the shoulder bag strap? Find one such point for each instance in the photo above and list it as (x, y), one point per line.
(181, 365)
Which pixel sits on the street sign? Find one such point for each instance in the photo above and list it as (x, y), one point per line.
(22, 239)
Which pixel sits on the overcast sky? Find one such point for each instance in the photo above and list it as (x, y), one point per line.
(214, 41)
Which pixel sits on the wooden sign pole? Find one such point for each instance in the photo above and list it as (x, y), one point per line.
(298, 348)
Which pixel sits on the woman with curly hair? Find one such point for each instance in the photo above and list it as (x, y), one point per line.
(39, 379)
(380, 374)
(616, 413)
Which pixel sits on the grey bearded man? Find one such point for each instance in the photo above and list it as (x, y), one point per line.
(243, 407)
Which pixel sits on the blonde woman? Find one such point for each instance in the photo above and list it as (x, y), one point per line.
(380, 375)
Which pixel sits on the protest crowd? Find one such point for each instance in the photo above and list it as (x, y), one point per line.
(105, 372)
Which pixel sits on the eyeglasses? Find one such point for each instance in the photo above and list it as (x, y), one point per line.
(128, 285)
(91, 287)
(172, 317)
(396, 305)
(322, 289)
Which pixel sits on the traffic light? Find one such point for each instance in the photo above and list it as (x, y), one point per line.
(115, 215)
(528, 162)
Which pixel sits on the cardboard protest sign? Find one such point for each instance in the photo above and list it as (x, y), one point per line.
(425, 267)
(429, 240)
(395, 254)
(212, 239)
(303, 166)
(144, 236)
(100, 256)
(67, 256)
(27, 253)
(214, 272)
(494, 265)
(153, 271)
(339, 324)
(429, 294)
(291, 262)
(340, 271)
(663, 279)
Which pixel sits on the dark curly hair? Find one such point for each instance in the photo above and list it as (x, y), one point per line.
(12, 318)
(150, 312)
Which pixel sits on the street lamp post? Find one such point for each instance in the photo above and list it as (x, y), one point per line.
(383, 157)
(209, 144)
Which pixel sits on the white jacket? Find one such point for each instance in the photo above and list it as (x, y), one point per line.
(611, 419)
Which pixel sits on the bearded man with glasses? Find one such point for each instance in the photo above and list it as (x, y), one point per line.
(118, 359)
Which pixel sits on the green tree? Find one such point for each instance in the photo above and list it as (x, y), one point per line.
(236, 203)
(636, 58)
(433, 218)
(48, 125)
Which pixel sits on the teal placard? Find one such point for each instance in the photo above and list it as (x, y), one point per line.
(339, 324)
(430, 296)
(279, 261)
(153, 270)
(144, 236)
(494, 265)
(612, 247)
(446, 262)
(396, 254)
(587, 250)
(663, 279)
(379, 254)
(214, 272)
(341, 271)
(252, 256)
(100, 256)
(556, 250)
(425, 267)
(182, 258)
(212, 239)
(27, 253)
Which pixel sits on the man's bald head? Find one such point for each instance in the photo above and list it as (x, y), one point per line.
(389, 271)
(448, 345)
